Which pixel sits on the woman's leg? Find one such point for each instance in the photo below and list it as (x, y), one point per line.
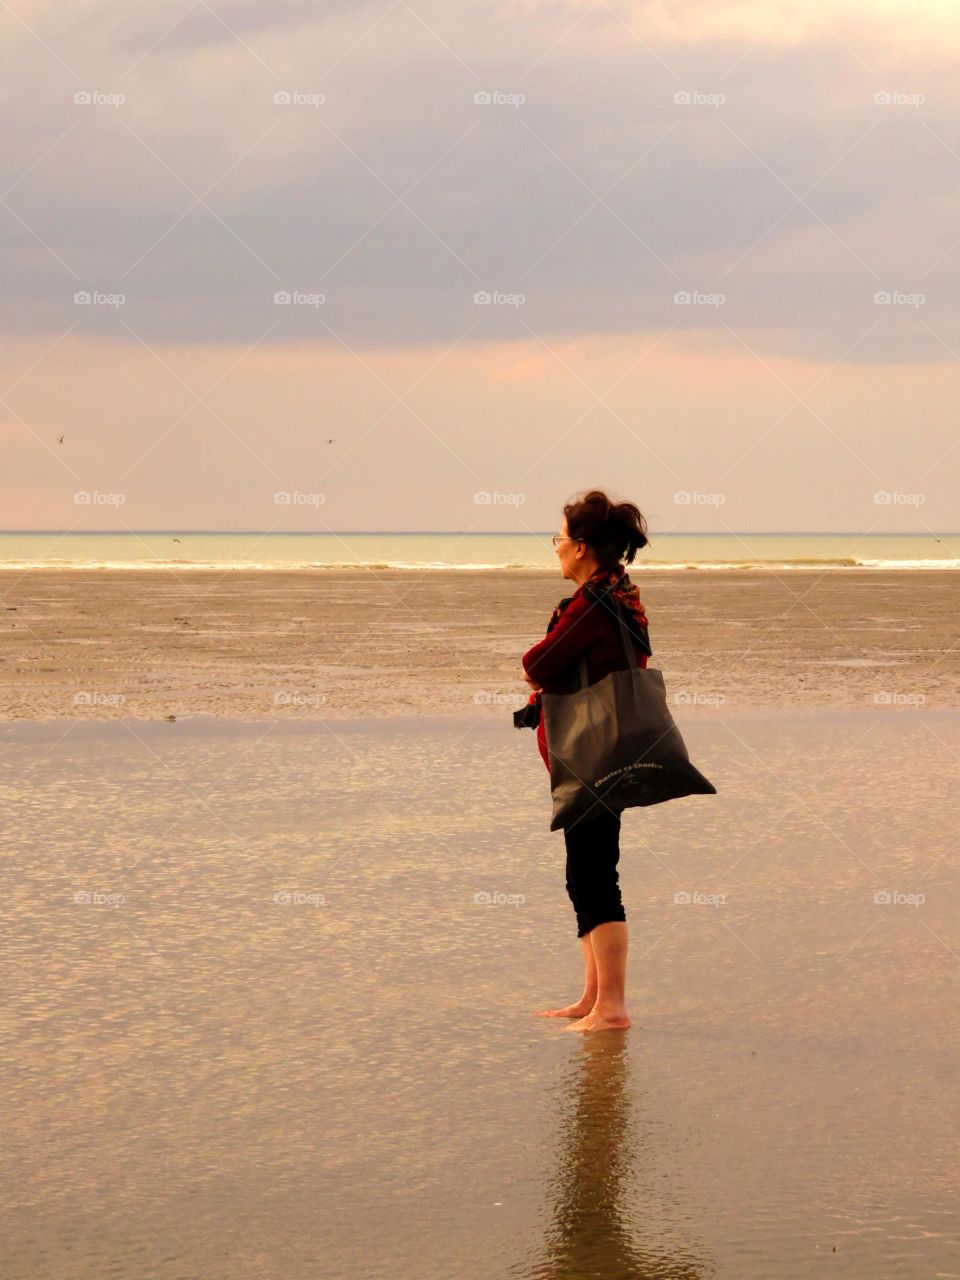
(609, 942)
(593, 849)
(601, 916)
(586, 1002)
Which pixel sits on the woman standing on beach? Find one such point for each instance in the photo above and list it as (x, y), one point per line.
(595, 536)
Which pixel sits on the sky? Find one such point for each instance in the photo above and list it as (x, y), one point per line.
(441, 266)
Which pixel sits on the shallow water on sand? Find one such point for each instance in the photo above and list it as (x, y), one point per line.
(270, 990)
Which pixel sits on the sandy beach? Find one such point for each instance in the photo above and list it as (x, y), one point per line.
(272, 965)
(144, 645)
(269, 984)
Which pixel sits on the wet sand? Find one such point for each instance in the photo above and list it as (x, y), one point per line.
(143, 645)
(269, 993)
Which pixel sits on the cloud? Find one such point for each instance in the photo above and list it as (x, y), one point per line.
(889, 24)
(775, 179)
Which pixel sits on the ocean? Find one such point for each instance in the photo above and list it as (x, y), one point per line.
(465, 552)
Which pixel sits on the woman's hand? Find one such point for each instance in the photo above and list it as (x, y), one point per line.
(531, 682)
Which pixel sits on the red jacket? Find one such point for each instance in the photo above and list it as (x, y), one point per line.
(585, 629)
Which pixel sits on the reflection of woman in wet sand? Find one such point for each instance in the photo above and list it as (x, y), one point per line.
(602, 1198)
(595, 535)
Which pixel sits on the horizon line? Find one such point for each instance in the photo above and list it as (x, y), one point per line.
(493, 533)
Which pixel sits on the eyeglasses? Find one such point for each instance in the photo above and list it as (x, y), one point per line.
(558, 538)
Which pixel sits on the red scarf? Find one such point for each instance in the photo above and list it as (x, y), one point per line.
(602, 585)
(614, 583)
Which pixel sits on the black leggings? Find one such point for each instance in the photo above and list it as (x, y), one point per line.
(593, 850)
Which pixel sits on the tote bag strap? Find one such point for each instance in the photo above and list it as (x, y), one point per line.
(630, 652)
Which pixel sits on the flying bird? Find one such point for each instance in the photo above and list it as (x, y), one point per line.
(59, 439)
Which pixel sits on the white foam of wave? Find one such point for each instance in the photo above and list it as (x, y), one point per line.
(441, 566)
(271, 566)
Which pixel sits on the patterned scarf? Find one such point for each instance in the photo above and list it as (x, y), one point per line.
(615, 585)
(613, 589)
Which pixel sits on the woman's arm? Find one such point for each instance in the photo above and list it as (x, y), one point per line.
(573, 635)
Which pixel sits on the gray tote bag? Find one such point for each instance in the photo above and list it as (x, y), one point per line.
(614, 744)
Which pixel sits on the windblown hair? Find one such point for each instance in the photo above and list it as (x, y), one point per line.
(613, 531)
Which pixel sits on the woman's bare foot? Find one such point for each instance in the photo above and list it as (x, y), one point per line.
(578, 1010)
(613, 1020)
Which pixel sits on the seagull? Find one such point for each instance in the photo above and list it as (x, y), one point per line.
(59, 439)
(176, 539)
(329, 442)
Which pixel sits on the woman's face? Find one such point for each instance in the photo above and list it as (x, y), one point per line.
(567, 552)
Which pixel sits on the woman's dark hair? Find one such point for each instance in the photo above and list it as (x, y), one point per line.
(613, 531)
